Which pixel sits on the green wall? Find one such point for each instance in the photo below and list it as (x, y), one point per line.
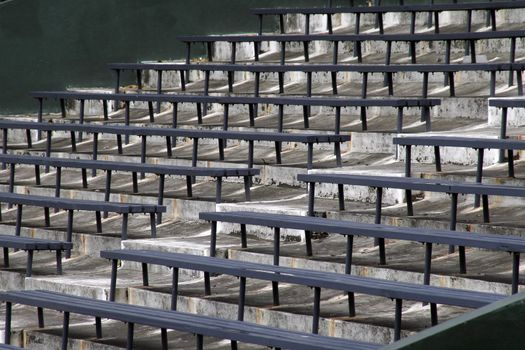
(53, 44)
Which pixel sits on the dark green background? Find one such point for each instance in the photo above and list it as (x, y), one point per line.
(53, 44)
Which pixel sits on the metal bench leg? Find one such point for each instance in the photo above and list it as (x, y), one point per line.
(308, 241)
(95, 153)
(84, 178)
(124, 232)
(189, 191)
(348, 271)
(47, 219)
(515, 271)
(105, 109)
(6, 257)
(341, 196)
(479, 175)
(433, 314)
(199, 344)
(207, 284)
(400, 119)
(98, 220)
(503, 132)
(311, 198)
(397, 324)
(119, 144)
(485, 204)
(129, 343)
(18, 226)
(244, 241)
(69, 231)
(462, 260)
(162, 181)
(113, 285)
(310, 156)
(174, 288)
(65, 331)
(242, 298)
(437, 156)
(510, 162)
(453, 217)
(213, 238)
(59, 261)
(278, 149)
(316, 311)
(145, 277)
(48, 147)
(337, 151)
(135, 182)
(276, 256)
(29, 266)
(247, 190)
(169, 150)
(164, 339)
(143, 154)
(126, 122)
(37, 175)
(364, 126)
(218, 190)
(410, 204)
(40, 316)
(7, 327)
(98, 327)
(153, 224)
(428, 263)
(380, 241)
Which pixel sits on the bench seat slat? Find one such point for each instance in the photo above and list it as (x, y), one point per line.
(336, 281)
(317, 224)
(191, 323)
(460, 142)
(128, 166)
(27, 243)
(416, 184)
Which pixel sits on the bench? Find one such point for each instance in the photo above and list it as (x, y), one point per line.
(358, 39)
(30, 245)
(171, 134)
(409, 185)
(315, 279)
(226, 101)
(310, 224)
(9, 347)
(125, 209)
(166, 319)
(388, 70)
(480, 144)
(432, 9)
(109, 167)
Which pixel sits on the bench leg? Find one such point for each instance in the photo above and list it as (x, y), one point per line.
(433, 314)
(134, 179)
(213, 238)
(207, 284)
(98, 220)
(308, 239)
(162, 180)
(199, 342)
(129, 343)
(428, 263)
(348, 271)
(510, 162)
(174, 288)
(59, 261)
(164, 339)
(485, 203)
(98, 327)
(189, 182)
(317, 309)
(29, 266)
(145, 277)
(453, 217)
(65, 331)
(341, 196)
(242, 298)
(18, 226)
(410, 204)
(218, 190)
(311, 198)
(69, 231)
(7, 326)
(244, 240)
(124, 232)
(40, 316)
(380, 241)
(247, 189)
(6, 257)
(47, 220)
(153, 224)
(479, 175)
(276, 256)
(113, 285)
(397, 324)
(515, 271)
(462, 260)
(84, 178)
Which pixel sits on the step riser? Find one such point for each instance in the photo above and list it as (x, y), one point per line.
(294, 322)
